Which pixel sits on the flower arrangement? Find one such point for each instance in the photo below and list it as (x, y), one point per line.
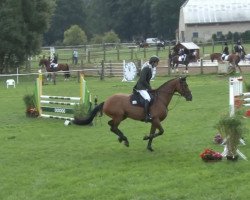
(218, 138)
(232, 128)
(210, 155)
(32, 112)
(30, 104)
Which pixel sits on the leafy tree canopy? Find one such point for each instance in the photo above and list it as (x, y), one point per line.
(22, 25)
(74, 36)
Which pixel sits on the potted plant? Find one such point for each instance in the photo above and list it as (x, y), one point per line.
(232, 128)
(81, 111)
(31, 110)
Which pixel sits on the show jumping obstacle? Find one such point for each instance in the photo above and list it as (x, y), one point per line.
(65, 108)
(236, 91)
(236, 95)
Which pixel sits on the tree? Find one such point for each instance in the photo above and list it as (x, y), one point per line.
(22, 25)
(74, 36)
(111, 37)
(97, 39)
(67, 13)
(164, 17)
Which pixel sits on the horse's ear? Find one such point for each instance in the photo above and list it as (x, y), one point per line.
(183, 78)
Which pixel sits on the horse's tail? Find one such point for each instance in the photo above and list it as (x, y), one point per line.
(212, 57)
(90, 117)
(67, 73)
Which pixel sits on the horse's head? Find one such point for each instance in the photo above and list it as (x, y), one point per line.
(183, 89)
(42, 62)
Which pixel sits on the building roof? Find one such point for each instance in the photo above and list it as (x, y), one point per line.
(190, 45)
(216, 11)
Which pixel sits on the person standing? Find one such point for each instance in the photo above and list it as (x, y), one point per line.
(75, 57)
(143, 84)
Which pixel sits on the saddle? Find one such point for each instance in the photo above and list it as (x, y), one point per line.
(53, 65)
(137, 100)
(181, 58)
(225, 58)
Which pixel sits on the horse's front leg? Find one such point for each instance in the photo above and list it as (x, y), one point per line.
(150, 137)
(176, 67)
(186, 71)
(153, 134)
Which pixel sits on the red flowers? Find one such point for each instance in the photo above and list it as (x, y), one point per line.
(218, 138)
(210, 155)
(32, 112)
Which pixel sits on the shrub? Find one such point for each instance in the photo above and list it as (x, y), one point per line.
(80, 111)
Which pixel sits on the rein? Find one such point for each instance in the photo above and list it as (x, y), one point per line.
(177, 101)
(174, 93)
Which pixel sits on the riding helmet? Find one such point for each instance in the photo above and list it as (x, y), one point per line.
(154, 59)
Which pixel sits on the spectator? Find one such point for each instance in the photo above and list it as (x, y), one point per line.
(75, 57)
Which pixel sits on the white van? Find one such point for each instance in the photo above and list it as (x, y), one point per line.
(152, 41)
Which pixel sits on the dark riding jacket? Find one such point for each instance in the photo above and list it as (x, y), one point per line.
(226, 51)
(54, 60)
(238, 48)
(144, 81)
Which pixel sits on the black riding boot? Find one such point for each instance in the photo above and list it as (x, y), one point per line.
(146, 111)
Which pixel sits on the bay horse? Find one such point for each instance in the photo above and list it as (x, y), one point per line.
(233, 59)
(176, 60)
(215, 56)
(118, 107)
(60, 67)
(143, 45)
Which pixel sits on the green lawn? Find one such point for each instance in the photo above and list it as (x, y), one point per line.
(41, 159)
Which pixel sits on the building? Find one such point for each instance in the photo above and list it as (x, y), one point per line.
(200, 19)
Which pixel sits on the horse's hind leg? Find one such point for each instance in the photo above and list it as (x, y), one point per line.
(115, 130)
(186, 70)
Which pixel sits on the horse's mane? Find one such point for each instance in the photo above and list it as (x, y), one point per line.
(166, 83)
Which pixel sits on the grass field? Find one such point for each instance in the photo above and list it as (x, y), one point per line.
(41, 159)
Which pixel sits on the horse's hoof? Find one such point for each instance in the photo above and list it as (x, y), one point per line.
(120, 139)
(126, 143)
(145, 137)
(150, 149)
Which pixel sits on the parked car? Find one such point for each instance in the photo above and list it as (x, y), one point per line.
(152, 41)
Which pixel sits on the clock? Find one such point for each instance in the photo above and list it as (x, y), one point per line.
(129, 71)
(153, 69)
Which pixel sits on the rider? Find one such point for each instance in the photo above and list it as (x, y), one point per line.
(143, 84)
(238, 48)
(225, 52)
(182, 54)
(54, 61)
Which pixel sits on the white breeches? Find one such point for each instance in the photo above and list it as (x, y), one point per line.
(144, 94)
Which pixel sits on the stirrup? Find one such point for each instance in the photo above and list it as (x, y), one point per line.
(148, 118)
